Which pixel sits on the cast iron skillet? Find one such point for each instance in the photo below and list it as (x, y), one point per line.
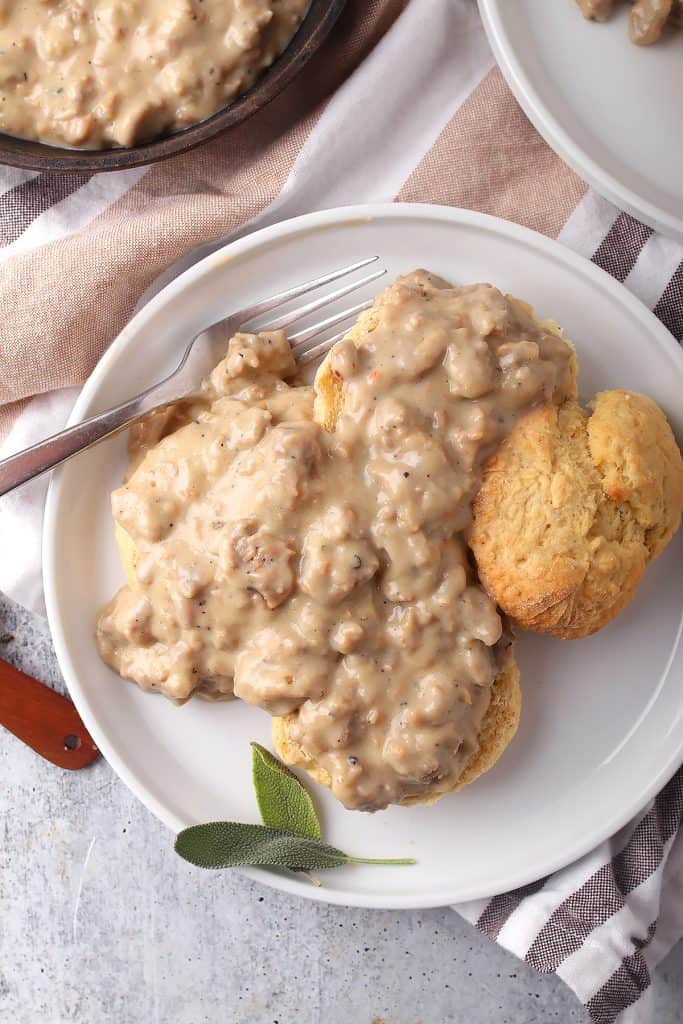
(39, 156)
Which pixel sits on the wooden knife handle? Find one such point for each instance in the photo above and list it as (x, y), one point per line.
(46, 721)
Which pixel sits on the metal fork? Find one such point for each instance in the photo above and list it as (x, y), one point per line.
(200, 356)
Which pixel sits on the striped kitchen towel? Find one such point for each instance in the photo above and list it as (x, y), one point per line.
(404, 102)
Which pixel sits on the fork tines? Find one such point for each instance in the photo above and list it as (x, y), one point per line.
(304, 352)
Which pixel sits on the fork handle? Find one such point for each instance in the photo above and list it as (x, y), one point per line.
(39, 458)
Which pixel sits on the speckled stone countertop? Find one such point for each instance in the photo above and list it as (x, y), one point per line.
(100, 922)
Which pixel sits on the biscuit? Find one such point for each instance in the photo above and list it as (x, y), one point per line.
(572, 507)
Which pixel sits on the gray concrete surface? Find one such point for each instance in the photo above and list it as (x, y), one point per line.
(101, 923)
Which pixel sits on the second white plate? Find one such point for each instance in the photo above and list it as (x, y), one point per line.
(610, 109)
(602, 720)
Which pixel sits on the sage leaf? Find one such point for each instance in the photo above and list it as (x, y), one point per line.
(231, 844)
(283, 801)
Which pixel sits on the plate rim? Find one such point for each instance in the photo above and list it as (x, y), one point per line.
(393, 900)
(559, 140)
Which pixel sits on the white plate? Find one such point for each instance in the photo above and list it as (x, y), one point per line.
(610, 109)
(602, 725)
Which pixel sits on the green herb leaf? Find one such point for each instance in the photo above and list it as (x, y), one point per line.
(282, 800)
(230, 844)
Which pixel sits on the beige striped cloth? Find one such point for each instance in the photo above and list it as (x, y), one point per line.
(403, 102)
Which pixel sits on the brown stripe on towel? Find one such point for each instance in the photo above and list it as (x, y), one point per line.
(20, 206)
(625, 986)
(482, 161)
(620, 248)
(499, 909)
(669, 308)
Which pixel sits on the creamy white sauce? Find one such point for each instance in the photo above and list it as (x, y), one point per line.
(328, 573)
(100, 73)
